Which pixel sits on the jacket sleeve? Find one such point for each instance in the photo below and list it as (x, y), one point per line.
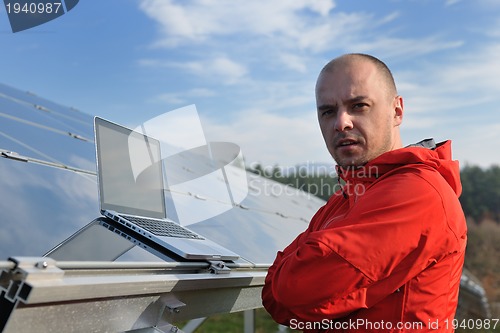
(392, 232)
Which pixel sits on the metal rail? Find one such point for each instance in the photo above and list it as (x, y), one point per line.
(40, 294)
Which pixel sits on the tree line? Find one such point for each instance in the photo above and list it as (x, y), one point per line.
(480, 197)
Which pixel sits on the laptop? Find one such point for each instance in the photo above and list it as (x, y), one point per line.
(131, 195)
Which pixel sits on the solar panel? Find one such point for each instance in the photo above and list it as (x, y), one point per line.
(46, 202)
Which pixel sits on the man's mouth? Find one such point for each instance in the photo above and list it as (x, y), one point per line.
(346, 142)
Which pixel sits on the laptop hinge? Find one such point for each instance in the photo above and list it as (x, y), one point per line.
(218, 267)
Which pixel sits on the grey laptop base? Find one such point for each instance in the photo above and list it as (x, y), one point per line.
(144, 242)
(198, 248)
(104, 239)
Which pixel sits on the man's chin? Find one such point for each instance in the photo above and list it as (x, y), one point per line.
(350, 163)
(352, 166)
(350, 157)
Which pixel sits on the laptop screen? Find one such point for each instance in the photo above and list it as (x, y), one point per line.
(129, 171)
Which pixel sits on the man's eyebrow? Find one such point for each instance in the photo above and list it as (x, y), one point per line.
(324, 107)
(358, 99)
(355, 99)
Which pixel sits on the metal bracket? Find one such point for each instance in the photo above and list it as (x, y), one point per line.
(27, 269)
(159, 316)
(173, 306)
(15, 282)
(13, 156)
(218, 267)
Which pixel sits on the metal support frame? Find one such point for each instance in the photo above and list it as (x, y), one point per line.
(249, 321)
(40, 294)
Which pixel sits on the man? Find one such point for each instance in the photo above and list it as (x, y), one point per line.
(385, 253)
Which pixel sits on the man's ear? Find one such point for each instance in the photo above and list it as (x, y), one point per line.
(398, 110)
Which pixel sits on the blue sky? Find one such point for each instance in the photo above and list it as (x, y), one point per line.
(250, 66)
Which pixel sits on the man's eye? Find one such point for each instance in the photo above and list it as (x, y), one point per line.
(359, 106)
(326, 113)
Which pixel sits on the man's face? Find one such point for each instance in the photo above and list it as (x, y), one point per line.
(357, 116)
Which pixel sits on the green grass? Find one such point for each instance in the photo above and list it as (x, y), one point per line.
(234, 323)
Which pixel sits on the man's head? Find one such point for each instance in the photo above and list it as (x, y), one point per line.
(359, 110)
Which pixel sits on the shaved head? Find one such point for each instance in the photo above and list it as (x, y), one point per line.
(353, 58)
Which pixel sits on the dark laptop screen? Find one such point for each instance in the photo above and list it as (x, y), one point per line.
(130, 173)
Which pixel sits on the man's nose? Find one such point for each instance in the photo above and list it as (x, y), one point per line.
(343, 121)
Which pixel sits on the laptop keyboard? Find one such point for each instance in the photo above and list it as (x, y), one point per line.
(163, 228)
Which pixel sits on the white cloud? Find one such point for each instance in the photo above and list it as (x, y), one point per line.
(183, 97)
(475, 71)
(294, 62)
(285, 97)
(152, 63)
(494, 30)
(221, 69)
(271, 138)
(412, 121)
(169, 98)
(198, 20)
(391, 47)
(293, 35)
(299, 25)
(448, 99)
(389, 18)
(489, 4)
(478, 145)
(247, 44)
(448, 3)
(461, 81)
(278, 30)
(201, 92)
(456, 98)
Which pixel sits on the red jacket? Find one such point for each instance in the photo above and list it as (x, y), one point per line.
(386, 256)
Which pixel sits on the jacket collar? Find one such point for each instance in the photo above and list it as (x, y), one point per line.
(436, 156)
